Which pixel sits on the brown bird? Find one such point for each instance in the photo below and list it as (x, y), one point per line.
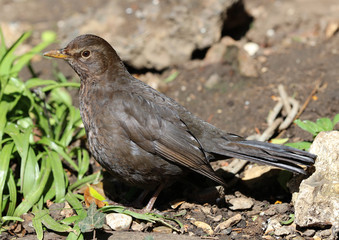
(147, 139)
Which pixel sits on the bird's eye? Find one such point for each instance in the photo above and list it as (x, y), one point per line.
(85, 54)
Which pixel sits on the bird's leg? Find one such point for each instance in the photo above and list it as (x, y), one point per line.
(138, 202)
(151, 202)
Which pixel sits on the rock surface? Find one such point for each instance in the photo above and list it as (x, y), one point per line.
(153, 34)
(317, 203)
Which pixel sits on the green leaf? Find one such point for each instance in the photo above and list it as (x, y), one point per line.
(300, 145)
(76, 204)
(171, 77)
(67, 84)
(58, 175)
(5, 156)
(325, 124)
(49, 222)
(83, 160)
(88, 179)
(12, 193)
(47, 39)
(4, 106)
(11, 218)
(37, 224)
(7, 60)
(60, 95)
(38, 82)
(308, 126)
(289, 221)
(3, 48)
(94, 219)
(36, 191)
(279, 140)
(56, 147)
(335, 120)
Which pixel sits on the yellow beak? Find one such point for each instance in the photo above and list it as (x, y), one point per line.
(56, 54)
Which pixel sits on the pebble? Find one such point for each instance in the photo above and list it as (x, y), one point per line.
(118, 221)
(212, 81)
(282, 208)
(204, 226)
(229, 222)
(309, 233)
(137, 226)
(241, 203)
(251, 48)
(162, 229)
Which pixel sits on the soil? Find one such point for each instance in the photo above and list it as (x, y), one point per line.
(301, 53)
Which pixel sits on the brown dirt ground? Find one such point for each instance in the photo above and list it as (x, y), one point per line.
(239, 105)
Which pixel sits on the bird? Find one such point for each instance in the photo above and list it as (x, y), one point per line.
(146, 139)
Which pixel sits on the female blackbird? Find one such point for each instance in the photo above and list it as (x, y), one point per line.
(146, 138)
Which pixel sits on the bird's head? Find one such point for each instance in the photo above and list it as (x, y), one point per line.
(88, 55)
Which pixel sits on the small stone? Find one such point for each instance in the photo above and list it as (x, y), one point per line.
(282, 208)
(270, 211)
(137, 226)
(162, 229)
(309, 233)
(206, 210)
(247, 65)
(118, 221)
(27, 223)
(204, 226)
(276, 228)
(212, 81)
(241, 203)
(251, 48)
(229, 222)
(217, 218)
(67, 211)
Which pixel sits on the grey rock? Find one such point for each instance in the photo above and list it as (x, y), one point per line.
(282, 208)
(317, 203)
(153, 34)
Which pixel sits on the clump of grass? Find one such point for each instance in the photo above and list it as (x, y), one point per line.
(38, 129)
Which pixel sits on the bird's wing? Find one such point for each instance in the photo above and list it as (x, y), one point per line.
(159, 130)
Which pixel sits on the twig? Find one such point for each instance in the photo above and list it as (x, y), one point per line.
(307, 101)
(284, 98)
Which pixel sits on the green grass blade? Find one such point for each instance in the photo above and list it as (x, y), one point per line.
(7, 60)
(36, 193)
(38, 82)
(5, 156)
(49, 222)
(4, 106)
(53, 145)
(76, 205)
(67, 84)
(83, 159)
(24, 59)
(12, 194)
(58, 175)
(37, 224)
(3, 47)
(88, 179)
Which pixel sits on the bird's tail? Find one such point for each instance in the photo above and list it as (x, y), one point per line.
(280, 156)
